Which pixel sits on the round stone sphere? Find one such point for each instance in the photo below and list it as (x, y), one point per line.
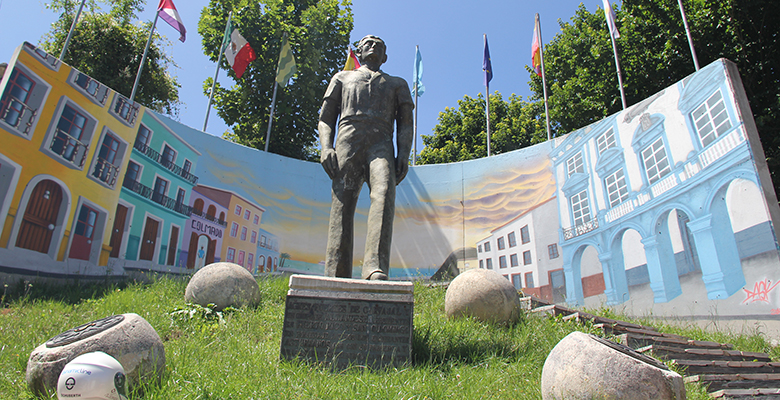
(583, 366)
(223, 284)
(127, 337)
(483, 294)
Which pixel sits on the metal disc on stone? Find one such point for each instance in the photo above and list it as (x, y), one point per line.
(483, 294)
(583, 366)
(127, 337)
(223, 284)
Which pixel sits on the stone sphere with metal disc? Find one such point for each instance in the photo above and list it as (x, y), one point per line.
(583, 366)
(127, 337)
(483, 294)
(223, 284)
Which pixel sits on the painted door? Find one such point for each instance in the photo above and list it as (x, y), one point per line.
(149, 240)
(211, 251)
(81, 246)
(118, 231)
(40, 217)
(173, 246)
(192, 251)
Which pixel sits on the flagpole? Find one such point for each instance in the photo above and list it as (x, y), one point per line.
(487, 104)
(73, 28)
(271, 117)
(216, 73)
(617, 66)
(416, 96)
(688, 33)
(544, 79)
(143, 58)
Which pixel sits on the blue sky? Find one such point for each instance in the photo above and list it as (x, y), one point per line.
(449, 34)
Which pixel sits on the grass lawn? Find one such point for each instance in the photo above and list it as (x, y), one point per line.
(238, 358)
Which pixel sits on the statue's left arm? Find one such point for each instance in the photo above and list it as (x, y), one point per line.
(404, 121)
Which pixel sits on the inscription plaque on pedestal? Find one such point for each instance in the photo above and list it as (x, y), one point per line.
(344, 322)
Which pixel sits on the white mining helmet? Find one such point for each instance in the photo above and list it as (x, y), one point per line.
(92, 376)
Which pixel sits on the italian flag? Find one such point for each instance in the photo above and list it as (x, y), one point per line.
(237, 50)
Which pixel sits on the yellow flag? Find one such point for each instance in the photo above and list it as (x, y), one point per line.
(286, 68)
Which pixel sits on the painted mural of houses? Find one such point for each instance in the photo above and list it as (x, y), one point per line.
(63, 150)
(153, 208)
(657, 194)
(268, 256)
(525, 250)
(242, 225)
(206, 227)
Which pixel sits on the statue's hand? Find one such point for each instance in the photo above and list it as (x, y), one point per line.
(401, 168)
(329, 162)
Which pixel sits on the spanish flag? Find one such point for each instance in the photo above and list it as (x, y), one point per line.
(352, 61)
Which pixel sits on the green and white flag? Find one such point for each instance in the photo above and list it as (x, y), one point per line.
(286, 68)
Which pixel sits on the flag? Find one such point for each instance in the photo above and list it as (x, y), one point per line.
(536, 51)
(352, 61)
(486, 64)
(610, 14)
(237, 50)
(286, 67)
(418, 72)
(168, 12)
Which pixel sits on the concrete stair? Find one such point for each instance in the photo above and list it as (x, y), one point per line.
(727, 373)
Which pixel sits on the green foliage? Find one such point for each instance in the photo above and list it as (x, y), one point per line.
(108, 47)
(654, 54)
(461, 132)
(200, 319)
(318, 32)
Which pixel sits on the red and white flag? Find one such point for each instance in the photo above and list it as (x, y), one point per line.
(237, 50)
(536, 51)
(168, 12)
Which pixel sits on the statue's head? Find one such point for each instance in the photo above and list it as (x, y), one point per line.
(371, 46)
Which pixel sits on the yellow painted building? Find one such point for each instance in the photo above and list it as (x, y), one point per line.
(239, 244)
(65, 141)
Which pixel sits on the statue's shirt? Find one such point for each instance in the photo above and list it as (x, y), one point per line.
(368, 102)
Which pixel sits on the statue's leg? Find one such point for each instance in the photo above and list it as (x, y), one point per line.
(381, 183)
(345, 191)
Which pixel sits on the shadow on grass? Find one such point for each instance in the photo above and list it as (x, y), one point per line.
(462, 341)
(68, 293)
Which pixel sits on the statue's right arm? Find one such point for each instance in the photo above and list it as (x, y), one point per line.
(326, 128)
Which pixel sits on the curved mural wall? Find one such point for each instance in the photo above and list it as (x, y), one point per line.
(665, 207)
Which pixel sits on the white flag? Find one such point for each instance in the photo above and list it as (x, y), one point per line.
(610, 14)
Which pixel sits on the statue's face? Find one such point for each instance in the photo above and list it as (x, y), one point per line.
(372, 48)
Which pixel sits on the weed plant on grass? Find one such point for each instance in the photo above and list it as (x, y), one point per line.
(235, 354)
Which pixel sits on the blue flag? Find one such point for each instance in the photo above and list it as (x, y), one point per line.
(486, 64)
(418, 72)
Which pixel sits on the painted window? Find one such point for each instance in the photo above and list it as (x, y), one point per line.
(231, 254)
(253, 237)
(479, 248)
(655, 161)
(489, 263)
(180, 197)
(575, 164)
(711, 119)
(263, 241)
(241, 255)
(92, 88)
(529, 280)
(552, 250)
(580, 208)
(247, 214)
(250, 262)
(243, 233)
(160, 189)
(106, 169)
(502, 262)
(481, 264)
(617, 190)
(238, 209)
(168, 157)
(500, 243)
(512, 239)
(67, 140)
(517, 281)
(487, 246)
(256, 220)
(606, 141)
(513, 260)
(125, 110)
(143, 138)
(187, 166)
(525, 235)
(527, 257)
(234, 230)
(14, 102)
(133, 173)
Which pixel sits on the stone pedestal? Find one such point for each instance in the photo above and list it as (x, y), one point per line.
(343, 322)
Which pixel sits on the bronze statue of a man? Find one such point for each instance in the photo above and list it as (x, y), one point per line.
(365, 102)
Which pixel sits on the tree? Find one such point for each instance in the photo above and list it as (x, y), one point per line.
(461, 133)
(108, 47)
(318, 32)
(654, 54)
